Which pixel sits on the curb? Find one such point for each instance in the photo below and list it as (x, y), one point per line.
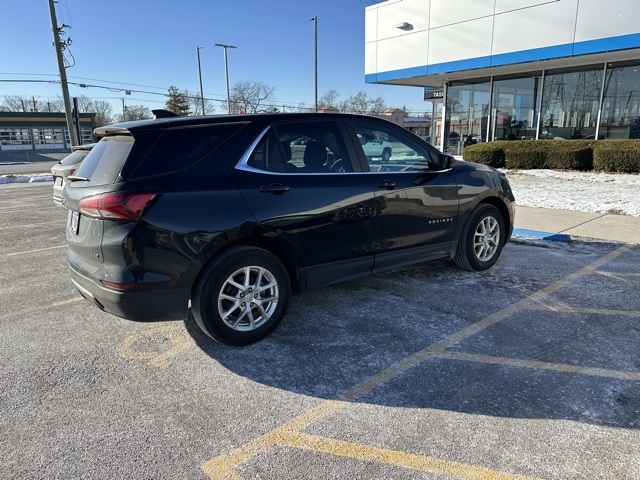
(538, 235)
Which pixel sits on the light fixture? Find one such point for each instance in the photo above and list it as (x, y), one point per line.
(406, 26)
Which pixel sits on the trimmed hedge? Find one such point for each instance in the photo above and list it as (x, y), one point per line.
(617, 156)
(571, 155)
(604, 155)
(490, 153)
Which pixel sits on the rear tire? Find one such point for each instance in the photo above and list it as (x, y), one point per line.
(482, 239)
(241, 296)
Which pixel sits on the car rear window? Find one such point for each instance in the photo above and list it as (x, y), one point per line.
(73, 158)
(182, 147)
(104, 162)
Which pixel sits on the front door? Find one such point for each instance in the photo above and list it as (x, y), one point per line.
(417, 203)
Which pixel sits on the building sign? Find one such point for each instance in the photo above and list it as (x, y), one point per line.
(437, 94)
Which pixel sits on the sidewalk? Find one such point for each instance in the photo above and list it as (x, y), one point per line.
(619, 228)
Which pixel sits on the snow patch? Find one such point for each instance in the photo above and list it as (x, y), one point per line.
(43, 177)
(589, 192)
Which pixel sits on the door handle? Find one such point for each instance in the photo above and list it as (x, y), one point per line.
(274, 188)
(388, 184)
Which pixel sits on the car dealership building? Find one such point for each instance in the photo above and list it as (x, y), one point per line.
(513, 69)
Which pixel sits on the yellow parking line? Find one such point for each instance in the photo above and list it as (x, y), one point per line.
(558, 367)
(66, 302)
(223, 467)
(395, 458)
(26, 252)
(597, 311)
(289, 435)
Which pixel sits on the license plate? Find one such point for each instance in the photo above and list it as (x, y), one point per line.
(58, 181)
(75, 218)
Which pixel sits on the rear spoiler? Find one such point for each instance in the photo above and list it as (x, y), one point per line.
(162, 113)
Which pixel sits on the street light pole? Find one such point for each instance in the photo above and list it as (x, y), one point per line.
(200, 75)
(315, 57)
(226, 71)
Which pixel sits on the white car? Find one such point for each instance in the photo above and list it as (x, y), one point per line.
(375, 147)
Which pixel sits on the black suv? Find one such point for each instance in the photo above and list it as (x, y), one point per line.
(234, 213)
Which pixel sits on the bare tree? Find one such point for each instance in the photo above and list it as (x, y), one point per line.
(103, 111)
(329, 98)
(134, 112)
(15, 103)
(85, 104)
(195, 104)
(361, 103)
(55, 105)
(251, 97)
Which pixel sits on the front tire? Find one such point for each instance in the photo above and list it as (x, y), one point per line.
(241, 296)
(482, 239)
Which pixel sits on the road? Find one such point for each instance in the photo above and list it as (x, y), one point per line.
(528, 370)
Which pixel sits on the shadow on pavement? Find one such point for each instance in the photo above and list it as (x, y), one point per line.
(335, 338)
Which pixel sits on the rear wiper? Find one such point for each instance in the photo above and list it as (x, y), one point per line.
(76, 178)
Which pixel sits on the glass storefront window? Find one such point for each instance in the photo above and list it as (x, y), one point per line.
(570, 100)
(515, 108)
(621, 105)
(466, 113)
(570, 104)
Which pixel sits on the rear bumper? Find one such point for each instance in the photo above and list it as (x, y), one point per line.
(161, 304)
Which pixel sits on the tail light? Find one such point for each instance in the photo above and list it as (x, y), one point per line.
(117, 205)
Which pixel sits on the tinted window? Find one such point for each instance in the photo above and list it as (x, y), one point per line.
(105, 160)
(268, 155)
(388, 150)
(313, 147)
(182, 147)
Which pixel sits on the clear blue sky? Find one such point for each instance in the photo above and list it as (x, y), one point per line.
(147, 44)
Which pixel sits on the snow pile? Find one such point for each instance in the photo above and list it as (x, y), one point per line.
(26, 178)
(617, 194)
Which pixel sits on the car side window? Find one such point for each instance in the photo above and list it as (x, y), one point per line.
(313, 147)
(268, 155)
(388, 150)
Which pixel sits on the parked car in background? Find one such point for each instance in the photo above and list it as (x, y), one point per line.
(65, 167)
(375, 148)
(215, 213)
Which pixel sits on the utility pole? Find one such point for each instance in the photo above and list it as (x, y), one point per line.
(63, 74)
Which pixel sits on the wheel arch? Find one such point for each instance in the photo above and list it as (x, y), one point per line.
(504, 212)
(276, 247)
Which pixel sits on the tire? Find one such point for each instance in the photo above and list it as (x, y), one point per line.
(221, 302)
(386, 154)
(482, 239)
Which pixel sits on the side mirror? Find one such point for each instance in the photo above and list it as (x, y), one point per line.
(444, 161)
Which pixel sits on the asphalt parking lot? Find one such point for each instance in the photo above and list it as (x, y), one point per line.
(529, 370)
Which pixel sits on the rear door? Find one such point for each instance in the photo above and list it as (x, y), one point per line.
(301, 183)
(417, 202)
